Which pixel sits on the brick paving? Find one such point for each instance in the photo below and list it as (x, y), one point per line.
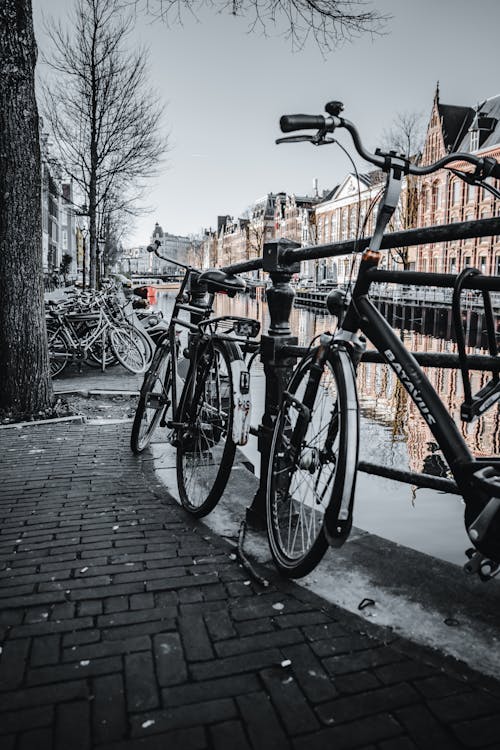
(115, 378)
(126, 624)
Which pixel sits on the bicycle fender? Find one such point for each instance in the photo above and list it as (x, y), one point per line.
(242, 401)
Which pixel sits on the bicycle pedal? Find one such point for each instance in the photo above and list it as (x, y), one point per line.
(478, 564)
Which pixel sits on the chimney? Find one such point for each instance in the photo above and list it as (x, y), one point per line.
(315, 188)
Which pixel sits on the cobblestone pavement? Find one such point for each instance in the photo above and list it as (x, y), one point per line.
(125, 623)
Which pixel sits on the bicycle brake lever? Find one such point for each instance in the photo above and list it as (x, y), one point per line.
(470, 178)
(295, 139)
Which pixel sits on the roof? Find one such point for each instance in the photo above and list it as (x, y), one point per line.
(455, 123)
(458, 121)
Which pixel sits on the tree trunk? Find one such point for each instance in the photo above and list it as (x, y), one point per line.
(25, 384)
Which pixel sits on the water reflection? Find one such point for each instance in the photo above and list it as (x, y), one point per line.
(392, 429)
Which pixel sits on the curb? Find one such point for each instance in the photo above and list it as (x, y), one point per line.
(77, 418)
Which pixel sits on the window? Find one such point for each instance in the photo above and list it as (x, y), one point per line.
(474, 140)
(467, 261)
(453, 265)
(482, 263)
(455, 192)
(471, 193)
(333, 227)
(435, 197)
(343, 221)
(497, 265)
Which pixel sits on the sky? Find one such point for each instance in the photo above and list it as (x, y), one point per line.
(225, 90)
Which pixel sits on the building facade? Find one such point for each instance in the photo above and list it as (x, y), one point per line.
(445, 198)
(58, 217)
(173, 246)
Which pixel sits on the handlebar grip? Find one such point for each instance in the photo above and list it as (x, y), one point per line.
(301, 122)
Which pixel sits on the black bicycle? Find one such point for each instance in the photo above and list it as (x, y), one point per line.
(314, 455)
(199, 389)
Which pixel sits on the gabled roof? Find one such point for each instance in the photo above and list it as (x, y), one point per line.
(458, 121)
(455, 123)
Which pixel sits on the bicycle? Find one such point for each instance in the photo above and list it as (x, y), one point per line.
(75, 336)
(314, 455)
(211, 416)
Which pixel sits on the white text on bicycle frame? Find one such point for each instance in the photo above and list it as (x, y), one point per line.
(412, 390)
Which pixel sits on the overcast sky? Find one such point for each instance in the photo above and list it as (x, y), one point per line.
(225, 90)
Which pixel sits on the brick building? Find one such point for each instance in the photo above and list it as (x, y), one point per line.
(445, 198)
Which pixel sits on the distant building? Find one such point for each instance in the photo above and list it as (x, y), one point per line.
(346, 213)
(173, 246)
(58, 215)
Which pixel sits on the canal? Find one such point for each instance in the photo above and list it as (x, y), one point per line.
(392, 430)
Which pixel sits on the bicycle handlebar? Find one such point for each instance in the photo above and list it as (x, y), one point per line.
(485, 166)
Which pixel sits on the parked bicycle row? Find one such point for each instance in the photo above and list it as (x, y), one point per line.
(310, 432)
(98, 328)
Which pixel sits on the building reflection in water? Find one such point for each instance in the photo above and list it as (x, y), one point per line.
(393, 432)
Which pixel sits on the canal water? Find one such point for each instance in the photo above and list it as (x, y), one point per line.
(392, 430)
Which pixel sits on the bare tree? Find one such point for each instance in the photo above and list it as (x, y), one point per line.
(25, 386)
(103, 116)
(25, 381)
(328, 22)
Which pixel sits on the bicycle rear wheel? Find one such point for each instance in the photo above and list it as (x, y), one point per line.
(127, 352)
(154, 399)
(313, 461)
(205, 447)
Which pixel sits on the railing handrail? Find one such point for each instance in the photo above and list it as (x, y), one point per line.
(461, 230)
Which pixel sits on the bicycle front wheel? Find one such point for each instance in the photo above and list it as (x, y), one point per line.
(154, 399)
(313, 461)
(127, 352)
(59, 350)
(205, 447)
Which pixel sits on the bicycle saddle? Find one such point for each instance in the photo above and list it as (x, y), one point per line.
(220, 281)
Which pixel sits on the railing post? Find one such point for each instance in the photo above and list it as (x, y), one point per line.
(277, 369)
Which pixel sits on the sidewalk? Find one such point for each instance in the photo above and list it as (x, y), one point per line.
(127, 624)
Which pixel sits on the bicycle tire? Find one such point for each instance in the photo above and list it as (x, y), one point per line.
(299, 493)
(142, 339)
(153, 400)
(205, 447)
(127, 352)
(59, 350)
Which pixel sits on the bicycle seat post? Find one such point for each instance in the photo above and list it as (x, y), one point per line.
(277, 368)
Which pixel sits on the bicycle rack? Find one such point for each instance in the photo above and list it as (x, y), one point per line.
(474, 404)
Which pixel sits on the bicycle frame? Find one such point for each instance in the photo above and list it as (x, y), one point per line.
(363, 315)
(200, 307)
